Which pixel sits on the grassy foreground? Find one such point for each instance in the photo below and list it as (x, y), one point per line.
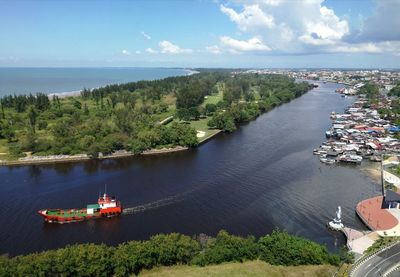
(249, 268)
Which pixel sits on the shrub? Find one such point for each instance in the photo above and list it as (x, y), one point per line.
(280, 248)
(227, 248)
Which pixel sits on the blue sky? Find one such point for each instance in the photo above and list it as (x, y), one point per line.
(201, 33)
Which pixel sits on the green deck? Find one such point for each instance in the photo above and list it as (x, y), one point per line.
(66, 213)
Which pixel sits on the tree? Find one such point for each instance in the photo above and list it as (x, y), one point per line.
(32, 115)
(85, 109)
(30, 141)
(3, 114)
(7, 131)
(42, 102)
(227, 248)
(183, 114)
(223, 121)
(77, 104)
(194, 113)
(395, 91)
(232, 92)
(42, 124)
(280, 248)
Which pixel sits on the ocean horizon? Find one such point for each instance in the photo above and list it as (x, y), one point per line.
(70, 80)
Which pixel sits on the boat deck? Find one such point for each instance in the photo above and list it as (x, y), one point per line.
(67, 213)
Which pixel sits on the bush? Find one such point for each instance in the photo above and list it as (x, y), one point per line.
(227, 248)
(165, 250)
(42, 124)
(280, 248)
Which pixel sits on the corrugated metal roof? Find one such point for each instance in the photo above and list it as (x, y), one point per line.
(93, 206)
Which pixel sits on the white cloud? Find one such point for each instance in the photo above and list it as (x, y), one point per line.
(126, 52)
(138, 52)
(289, 26)
(359, 48)
(253, 44)
(382, 25)
(328, 30)
(170, 48)
(146, 36)
(251, 17)
(151, 51)
(214, 49)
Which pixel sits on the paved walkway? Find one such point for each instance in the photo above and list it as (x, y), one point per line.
(357, 241)
(395, 231)
(376, 218)
(391, 178)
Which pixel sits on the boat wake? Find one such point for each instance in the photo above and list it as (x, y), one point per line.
(154, 205)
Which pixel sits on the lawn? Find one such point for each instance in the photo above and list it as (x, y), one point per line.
(213, 99)
(201, 125)
(3, 146)
(251, 268)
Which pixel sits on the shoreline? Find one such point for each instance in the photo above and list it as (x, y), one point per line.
(373, 171)
(33, 160)
(76, 91)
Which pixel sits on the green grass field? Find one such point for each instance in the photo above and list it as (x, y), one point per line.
(213, 99)
(201, 125)
(251, 268)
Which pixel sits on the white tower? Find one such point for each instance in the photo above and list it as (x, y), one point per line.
(336, 223)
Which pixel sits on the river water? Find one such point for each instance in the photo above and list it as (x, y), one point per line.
(261, 177)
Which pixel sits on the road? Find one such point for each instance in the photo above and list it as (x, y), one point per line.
(380, 264)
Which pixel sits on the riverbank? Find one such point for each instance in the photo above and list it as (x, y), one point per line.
(118, 154)
(85, 157)
(373, 171)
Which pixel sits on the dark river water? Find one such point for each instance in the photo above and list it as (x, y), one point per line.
(261, 177)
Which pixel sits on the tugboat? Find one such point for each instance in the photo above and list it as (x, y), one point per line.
(107, 206)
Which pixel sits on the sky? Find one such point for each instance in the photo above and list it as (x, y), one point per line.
(200, 33)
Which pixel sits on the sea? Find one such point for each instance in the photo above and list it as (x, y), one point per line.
(64, 81)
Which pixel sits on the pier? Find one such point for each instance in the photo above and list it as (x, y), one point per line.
(358, 241)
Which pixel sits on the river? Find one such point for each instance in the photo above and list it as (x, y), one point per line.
(261, 177)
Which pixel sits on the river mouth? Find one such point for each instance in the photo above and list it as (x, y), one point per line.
(261, 177)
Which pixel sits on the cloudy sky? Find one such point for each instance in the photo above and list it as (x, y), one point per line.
(201, 33)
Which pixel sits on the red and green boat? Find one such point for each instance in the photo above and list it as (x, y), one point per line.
(107, 206)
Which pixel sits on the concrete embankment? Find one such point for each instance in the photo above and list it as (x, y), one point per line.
(84, 157)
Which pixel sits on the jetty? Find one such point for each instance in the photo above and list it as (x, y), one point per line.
(357, 241)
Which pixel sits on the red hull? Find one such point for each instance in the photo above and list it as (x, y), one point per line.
(107, 207)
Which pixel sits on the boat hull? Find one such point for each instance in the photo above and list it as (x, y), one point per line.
(69, 218)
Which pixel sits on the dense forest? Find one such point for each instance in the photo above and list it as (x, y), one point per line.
(278, 248)
(127, 116)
